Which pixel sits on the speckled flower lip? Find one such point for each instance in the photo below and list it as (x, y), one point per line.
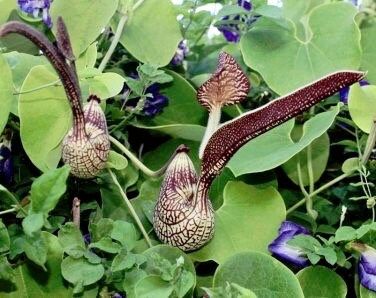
(86, 146)
(183, 215)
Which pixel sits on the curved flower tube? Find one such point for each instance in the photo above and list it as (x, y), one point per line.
(86, 146)
(183, 216)
(285, 252)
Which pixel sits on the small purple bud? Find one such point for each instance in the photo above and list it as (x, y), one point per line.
(231, 32)
(367, 268)
(344, 92)
(155, 103)
(180, 54)
(117, 295)
(87, 239)
(285, 252)
(6, 159)
(38, 9)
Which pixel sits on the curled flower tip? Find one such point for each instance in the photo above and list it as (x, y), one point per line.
(344, 92)
(367, 268)
(285, 252)
(227, 86)
(37, 9)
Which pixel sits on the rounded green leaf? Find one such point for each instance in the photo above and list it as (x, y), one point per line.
(80, 271)
(153, 286)
(369, 52)
(248, 220)
(6, 92)
(45, 117)
(276, 146)
(332, 43)
(319, 159)
(85, 19)
(362, 106)
(6, 8)
(20, 65)
(152, 33)
(365, 293)
(262, 274)
(321, 282)
(104, 85)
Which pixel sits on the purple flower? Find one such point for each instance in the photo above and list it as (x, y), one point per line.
(367, 268)
(285, 252)
(344, 92)
(6, 162)
(155, 103)
(231, 28)
(37, 8)
(117, 295)
(180, 54)
(87, 239)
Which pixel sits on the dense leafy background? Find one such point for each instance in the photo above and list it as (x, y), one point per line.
(315, 157)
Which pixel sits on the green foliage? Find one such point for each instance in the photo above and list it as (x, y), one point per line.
(319, 281)
(6, 92)
(162, 28)
(44, 252)
(260, 273)
(78, 14)
(307, 43)
(362, 106)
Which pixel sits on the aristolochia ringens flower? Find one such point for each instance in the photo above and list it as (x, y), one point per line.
(285, 252)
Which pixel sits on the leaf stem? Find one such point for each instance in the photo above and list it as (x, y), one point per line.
(320, 189)
(136, 161)
(114, 42)
(131, 209)
(8, 211)
(371, 140)
(308, 198)
(54, 83)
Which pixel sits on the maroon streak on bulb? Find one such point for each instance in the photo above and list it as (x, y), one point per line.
(86, 146)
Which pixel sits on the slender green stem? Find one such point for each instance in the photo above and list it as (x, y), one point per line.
(320, 189)
(114, 43)
(54, 83)
(131, 209)
(137, 4)
(211, 127)
(136, 161)
(8, 211)
(308, 198)
(371, 140)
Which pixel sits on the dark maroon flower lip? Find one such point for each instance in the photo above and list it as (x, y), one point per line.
(285, 252)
